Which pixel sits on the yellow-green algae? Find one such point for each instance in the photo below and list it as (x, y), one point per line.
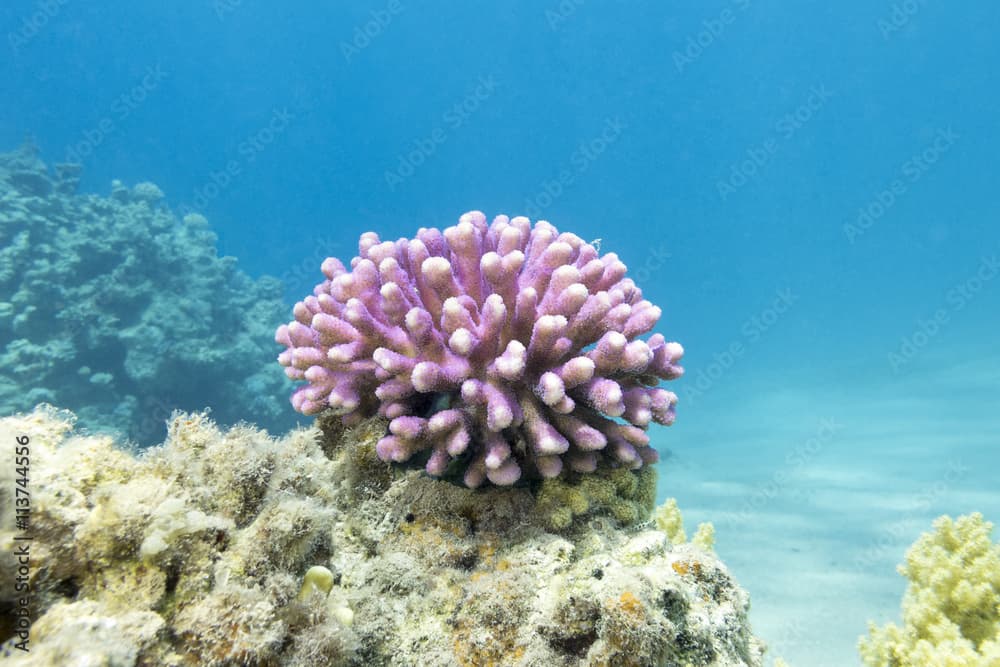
(626, 495)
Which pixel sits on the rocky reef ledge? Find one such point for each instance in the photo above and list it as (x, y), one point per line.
(230, 547)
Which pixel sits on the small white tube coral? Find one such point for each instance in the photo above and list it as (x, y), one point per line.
(318, 579)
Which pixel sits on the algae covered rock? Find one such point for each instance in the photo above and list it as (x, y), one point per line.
(231, 547)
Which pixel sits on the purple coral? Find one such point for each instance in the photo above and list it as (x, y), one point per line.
(510, 347)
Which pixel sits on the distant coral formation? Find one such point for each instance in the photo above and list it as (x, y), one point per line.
(116, 309)
(504, 350)
(230, 547)
(951, 609)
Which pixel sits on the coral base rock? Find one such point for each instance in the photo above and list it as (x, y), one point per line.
(213, 532)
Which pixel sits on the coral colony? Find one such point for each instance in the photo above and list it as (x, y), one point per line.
(504, 350)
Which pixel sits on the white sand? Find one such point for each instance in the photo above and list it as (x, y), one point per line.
(816, 492)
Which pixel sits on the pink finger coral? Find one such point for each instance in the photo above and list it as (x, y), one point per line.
(507, 350)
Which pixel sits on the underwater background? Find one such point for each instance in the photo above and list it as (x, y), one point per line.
(808, 191)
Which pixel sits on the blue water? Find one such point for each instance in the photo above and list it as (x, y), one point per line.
(809, 191)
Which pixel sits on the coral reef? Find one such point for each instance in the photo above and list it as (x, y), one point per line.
(668, 519)
(499, 352)
(951, 608)
(627, 496)
(231, 547)
(114, 308)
